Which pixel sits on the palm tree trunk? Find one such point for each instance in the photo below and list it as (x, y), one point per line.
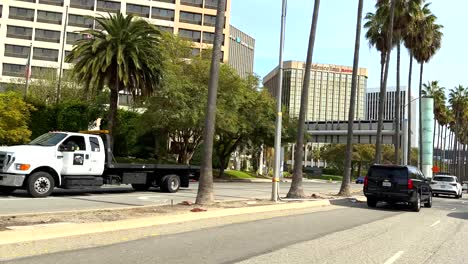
(383, 89)
(112, 115)
(410, 114)
(345, 183)
(420, 115)
(444, 142)
(397, 110)
(438, 147)
(205, 186)
(296, 190)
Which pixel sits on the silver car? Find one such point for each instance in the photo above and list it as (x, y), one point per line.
(446, 184)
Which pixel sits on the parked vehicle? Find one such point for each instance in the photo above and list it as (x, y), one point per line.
(360, 180)
(446, 184)
(78, 161)
(394, 184)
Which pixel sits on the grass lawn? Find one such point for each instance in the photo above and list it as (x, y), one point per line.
(232, 174)
(326, 177)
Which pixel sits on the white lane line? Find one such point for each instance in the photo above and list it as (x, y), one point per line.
(454, 209)
(394, 257)
(436, 223)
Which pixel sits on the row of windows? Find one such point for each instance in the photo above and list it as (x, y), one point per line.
(38, 53)
(85, 21)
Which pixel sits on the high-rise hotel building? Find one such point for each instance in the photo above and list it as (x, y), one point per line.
(329, 90)
(41, 23)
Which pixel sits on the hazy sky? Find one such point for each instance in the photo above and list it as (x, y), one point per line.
(335, 38)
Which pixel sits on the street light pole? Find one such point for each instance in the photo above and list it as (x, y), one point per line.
(279, 115)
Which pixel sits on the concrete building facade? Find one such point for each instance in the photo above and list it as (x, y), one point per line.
(373, 102)
(41, 23)
(241, 52)
(329, 90)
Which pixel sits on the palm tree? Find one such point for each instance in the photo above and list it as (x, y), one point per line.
(432, 89)
(458, 99)
(296, 190)
(124, 56)
(205, 186)
(383, 85)
(429, 38)
(403, 15)
(345, 183)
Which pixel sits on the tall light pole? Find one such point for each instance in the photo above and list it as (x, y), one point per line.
(279, 114)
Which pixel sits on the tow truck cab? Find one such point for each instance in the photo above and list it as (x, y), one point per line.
(77, 161)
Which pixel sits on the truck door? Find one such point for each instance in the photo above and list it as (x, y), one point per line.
(97, 156)
(76, 157)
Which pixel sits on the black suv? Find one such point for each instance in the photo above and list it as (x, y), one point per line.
(393, 184)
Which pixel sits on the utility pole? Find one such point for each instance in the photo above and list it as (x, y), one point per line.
(28, 70)
(61, 56)
(279, 115)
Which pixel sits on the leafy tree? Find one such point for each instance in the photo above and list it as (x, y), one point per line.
(14, 117)
(124, 56)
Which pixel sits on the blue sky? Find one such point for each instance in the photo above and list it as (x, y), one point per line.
(335, 38)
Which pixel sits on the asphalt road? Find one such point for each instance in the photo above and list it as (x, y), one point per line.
(351, 233)
(115, 197)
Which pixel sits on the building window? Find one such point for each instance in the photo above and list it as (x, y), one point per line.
(19, 32)
(73, 37)
(98, 26)
(211, 4)
(13, 70)
(49, 17)
(47, 35)
(82, 4)
(45, 54)
(161, 13)
(191, 18)
(1, 10)
(21, 13)
(209, 21)
(138, 10)
(16, 51)
(80, 21)
(196, 3)
(43, 72)
(165, 29)
(166, 1)
(51, 2)
(190, 35)
(108, 6)
(208, 37)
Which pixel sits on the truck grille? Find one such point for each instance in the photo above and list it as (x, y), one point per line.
(3, 160)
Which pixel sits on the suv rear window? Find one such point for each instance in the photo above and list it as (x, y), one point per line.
(444, 179)
(388, 173)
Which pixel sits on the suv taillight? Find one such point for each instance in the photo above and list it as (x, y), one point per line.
(453, 184)
(366, 181)
(410, 184)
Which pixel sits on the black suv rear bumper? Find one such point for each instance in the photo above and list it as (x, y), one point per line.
(409, 197)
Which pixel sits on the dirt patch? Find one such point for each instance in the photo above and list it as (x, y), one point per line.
(120, 214)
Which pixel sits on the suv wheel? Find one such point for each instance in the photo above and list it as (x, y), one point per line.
(416, 206)
(371, 202)
(428, 204)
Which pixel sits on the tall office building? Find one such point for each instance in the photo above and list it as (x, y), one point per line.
(41, 23)
(329, 90)
(241, 52)
(373, 102)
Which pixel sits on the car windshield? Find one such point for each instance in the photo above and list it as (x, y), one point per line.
(49, 139)
(444, 179)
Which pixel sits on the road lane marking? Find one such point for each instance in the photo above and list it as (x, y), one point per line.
(454, 209)
(394, 257)
(436, 223)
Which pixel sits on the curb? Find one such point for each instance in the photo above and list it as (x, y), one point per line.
(66, 230)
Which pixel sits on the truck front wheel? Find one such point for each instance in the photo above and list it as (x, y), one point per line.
(170, 183)
(40, 184)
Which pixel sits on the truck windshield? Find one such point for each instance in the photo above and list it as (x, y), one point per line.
(49, 139)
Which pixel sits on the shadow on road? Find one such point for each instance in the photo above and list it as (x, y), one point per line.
(463, 216)
(381, 206)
